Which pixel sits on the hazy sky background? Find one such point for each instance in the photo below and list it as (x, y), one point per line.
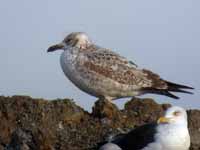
(163, 36)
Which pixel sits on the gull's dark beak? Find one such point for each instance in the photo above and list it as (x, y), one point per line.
(55, 47)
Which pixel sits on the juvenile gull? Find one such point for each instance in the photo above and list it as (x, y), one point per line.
(169, 133)
(105, 74)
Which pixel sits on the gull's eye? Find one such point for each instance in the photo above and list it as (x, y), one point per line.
(177, 113)
(67, 40)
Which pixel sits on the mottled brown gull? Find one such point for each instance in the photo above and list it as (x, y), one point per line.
(105, 74)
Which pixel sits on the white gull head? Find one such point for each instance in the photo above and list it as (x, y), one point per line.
(175, 115)
(75, 39)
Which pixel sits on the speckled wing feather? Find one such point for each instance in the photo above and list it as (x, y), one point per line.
(111, 65)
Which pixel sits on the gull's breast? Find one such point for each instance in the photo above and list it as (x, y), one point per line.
(70, 64)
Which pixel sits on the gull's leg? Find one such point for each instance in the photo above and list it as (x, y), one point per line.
(107, 99)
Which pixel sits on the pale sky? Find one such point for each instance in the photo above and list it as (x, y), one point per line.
(163, 36)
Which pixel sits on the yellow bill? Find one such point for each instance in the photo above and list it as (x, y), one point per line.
(163, 120)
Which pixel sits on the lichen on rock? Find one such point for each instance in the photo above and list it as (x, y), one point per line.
(38, 124)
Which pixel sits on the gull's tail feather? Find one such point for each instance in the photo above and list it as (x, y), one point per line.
(177, 86)
(180, 91)
(171, 87)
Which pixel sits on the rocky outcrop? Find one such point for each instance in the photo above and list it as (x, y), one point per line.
(37, 124)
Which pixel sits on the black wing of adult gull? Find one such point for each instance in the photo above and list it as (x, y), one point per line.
(134, 139)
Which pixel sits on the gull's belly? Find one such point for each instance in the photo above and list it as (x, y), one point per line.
(68, 65)
(92, 83)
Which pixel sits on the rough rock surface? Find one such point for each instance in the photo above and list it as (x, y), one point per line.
(37, 124)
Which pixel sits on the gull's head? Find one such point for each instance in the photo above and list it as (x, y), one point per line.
(174, 115)
(74, 39)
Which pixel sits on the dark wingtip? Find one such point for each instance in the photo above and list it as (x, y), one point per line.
(180, 86)
(171, 95)
(180, 91)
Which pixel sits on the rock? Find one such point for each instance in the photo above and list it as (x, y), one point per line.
(194, 128)
(21, 140)
(37, 124)
(144, 111)
(104, 109)
(107, 112)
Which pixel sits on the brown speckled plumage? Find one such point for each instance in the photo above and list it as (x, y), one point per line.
(104, 73)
